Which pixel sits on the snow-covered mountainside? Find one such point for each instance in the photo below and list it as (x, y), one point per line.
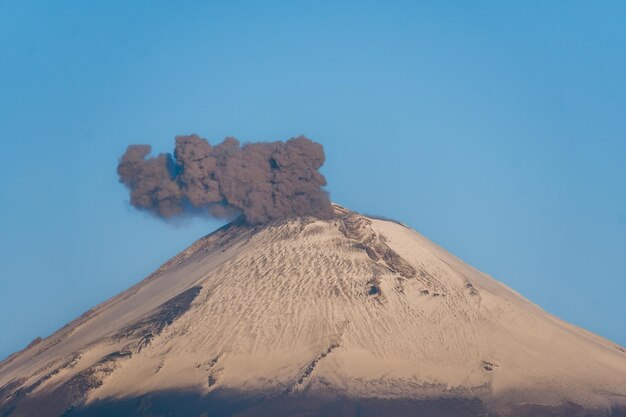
(351, 316)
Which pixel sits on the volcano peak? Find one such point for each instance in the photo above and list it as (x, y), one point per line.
(320, 316)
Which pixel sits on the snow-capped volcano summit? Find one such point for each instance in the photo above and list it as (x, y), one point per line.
(341, 317)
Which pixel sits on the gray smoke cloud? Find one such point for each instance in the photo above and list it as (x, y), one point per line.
(260, 181)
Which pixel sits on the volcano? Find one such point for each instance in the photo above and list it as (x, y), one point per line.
(352, 316)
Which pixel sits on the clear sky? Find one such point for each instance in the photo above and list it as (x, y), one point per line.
(497, 129)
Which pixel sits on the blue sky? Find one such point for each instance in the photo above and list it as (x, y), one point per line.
(497, 129)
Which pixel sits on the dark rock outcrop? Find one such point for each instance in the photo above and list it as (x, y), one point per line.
(356, 227)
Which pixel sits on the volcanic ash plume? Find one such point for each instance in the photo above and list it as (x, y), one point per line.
(261, 181)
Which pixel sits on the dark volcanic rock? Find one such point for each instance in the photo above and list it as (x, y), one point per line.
(220, 404)
(67, 396)
(358, 228)
(153, 325)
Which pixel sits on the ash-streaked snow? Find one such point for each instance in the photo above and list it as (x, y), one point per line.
(350, 308)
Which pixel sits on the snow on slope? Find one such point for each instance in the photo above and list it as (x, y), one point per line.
(356, 307)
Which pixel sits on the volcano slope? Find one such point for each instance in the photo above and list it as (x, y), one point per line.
(353, 316)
